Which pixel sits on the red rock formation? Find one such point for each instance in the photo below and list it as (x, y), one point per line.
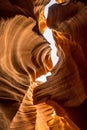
(72, 21)
(66, 85)
(25, 55)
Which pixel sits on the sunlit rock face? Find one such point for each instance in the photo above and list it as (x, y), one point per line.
(18, 63)
(41, 116)
(25, 55)
(19, 58)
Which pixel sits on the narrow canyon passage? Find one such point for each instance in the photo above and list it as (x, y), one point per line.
(43, 65)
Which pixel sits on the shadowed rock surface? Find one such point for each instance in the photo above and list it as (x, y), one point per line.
(26, 55)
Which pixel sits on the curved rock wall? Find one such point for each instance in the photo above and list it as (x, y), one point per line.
(25, 55)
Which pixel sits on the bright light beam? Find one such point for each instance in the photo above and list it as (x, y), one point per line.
(43, 78)
(47, 7)
(49, 37)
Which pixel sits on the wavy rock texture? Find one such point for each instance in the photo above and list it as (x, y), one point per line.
(25, 117)
(25, 55)
(31, 8)
(39, 117)
(20, 61)
(66, 85)
(62, 85)
(72, 21)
